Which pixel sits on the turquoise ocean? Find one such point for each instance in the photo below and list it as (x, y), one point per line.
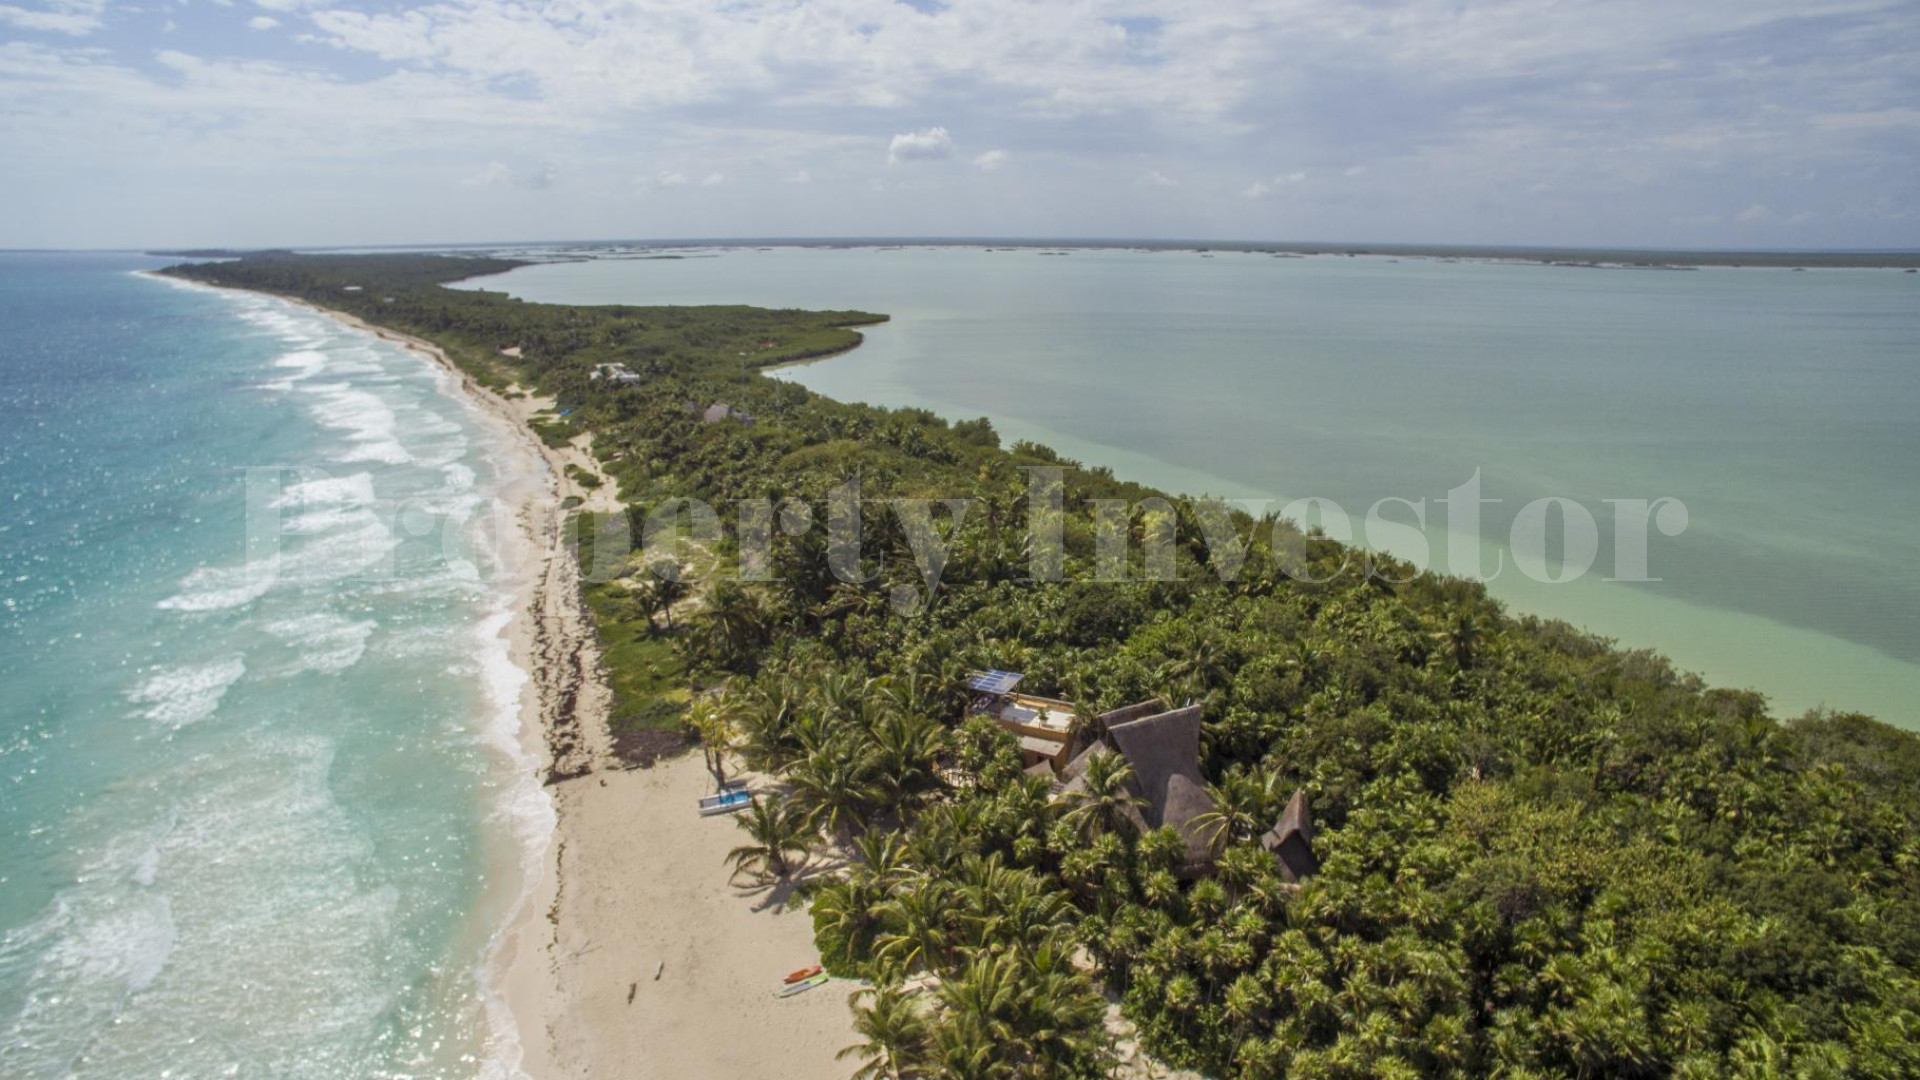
(1777, 406)
(262, 805)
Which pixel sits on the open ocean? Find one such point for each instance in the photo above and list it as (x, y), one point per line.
(262, 809)
(1777, 406)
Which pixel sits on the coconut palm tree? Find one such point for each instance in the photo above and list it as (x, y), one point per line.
(712, 718)
(837, 784)
(736, 626)
(1006, 906)
(1104, 799)
(883, 857)
(907, 747)
(1243, 807)
(765, 726)
(919, 929)
(894, 1031)
(982, 1000)
(782, 835)
(664, 588)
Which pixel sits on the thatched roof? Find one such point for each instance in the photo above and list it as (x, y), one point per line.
(1164, 750)
(1291, 840)
(1149, 707)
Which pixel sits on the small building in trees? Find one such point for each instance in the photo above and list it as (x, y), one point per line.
(1044, 726)
(1290, 841)
(615, 374)
(1161, 747)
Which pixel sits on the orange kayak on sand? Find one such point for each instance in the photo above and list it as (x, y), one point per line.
(803, 973)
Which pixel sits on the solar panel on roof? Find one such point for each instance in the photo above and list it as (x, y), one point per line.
(993, 682)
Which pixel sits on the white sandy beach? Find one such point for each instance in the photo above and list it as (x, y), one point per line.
(632, 879)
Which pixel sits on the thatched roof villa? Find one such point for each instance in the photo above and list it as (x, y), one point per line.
(1163, 747)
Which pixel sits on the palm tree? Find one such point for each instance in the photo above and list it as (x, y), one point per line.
(907, 745)
(1461, 635)
(846, 915)
(1103, 801)
(1243, 806)
(883, 857)
(1063, 1012)
(665, 588)
(1008, 906)
(737, 626)
(766, 740)
(982, 1000)
(712, 716)
(919, 930)
(895, 1034)
(781, 834)
(836, 784)
(839, 694)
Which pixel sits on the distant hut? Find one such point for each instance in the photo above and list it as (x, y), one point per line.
(616, 374)
(1291, 840)
(720, 410)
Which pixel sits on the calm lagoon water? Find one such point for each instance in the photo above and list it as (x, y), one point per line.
(261, 812)
(1776, 405)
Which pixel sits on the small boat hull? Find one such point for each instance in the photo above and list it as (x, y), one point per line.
(803, 973)
(802, 986)
(726, 802)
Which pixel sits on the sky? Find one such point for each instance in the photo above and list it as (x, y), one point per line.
(1701, 123)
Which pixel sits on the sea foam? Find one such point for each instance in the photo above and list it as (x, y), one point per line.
(188, 693)
(218, 588)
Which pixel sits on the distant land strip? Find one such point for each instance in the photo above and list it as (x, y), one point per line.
(1593, 257)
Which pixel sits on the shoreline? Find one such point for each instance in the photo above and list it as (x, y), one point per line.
(627, 944)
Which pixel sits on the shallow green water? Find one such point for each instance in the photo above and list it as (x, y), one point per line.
(1776, 405)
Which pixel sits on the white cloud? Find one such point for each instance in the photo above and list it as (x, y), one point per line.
(932, 144)
(262, 22)
(1256, 190)
(75, 17)
(800, 177)
(990, 160)
(1156, 178)
(1633, 118)
(713, 180)
(495, 174)
(500, 174)
(669, 179)
(1762, 214)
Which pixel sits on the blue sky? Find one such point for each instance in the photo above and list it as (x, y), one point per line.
(1717, 123)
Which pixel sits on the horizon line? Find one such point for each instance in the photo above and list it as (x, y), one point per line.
(862, 240)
